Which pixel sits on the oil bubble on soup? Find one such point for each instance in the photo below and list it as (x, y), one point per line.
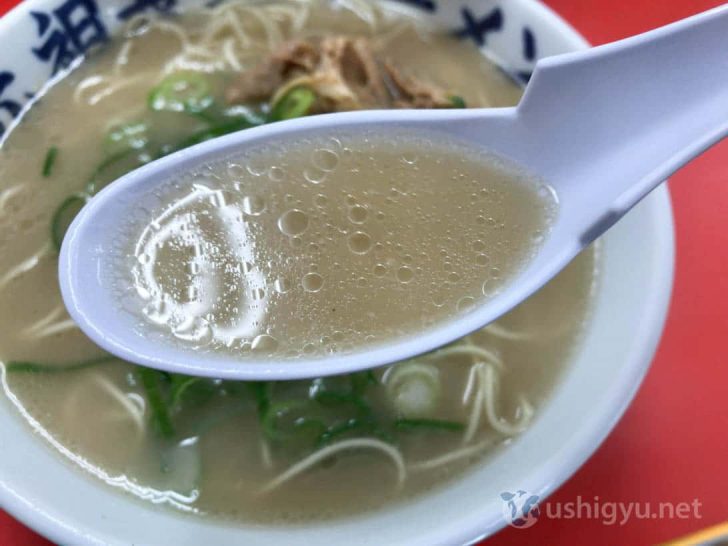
(396, 216)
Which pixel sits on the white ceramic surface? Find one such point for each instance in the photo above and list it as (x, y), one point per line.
(42, 489)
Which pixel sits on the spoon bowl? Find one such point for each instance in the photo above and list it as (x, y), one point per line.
(603, 128)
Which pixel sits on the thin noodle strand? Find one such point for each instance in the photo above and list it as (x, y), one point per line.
(25, 266)
(346, 445)
(489, 377)
(462, 453)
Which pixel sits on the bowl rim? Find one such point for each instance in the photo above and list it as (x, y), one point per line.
(580, 449)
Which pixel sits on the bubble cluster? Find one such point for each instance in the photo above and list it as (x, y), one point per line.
(325, 245)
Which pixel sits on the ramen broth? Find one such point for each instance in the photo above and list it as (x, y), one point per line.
(279, 451)
(330, 244)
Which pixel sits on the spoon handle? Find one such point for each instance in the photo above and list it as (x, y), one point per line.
(626, 115)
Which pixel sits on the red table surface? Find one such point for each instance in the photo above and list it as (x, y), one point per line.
(672, 444)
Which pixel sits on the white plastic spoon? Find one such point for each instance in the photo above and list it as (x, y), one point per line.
(603, 127)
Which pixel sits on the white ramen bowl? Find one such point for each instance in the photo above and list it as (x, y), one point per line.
(41, 488)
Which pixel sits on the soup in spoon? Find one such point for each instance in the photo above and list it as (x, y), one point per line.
(329, 244)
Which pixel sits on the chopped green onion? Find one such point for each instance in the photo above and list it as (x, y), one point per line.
(367, 426)
(414, 389)
(273, 427)
(180, 385)
(305, 424)
(34, 367)
(457, 101)
(428, 424)
(50, 161)
(183, 92)
(105, 164)
(126, 137)
(342, 428)
(295, 103)
(239, 111)
(276, 411)
(360, 381)
(159, 410)
(64, 215)
(113, 167)
(212, 132)
(261, 392)
(331, 398)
